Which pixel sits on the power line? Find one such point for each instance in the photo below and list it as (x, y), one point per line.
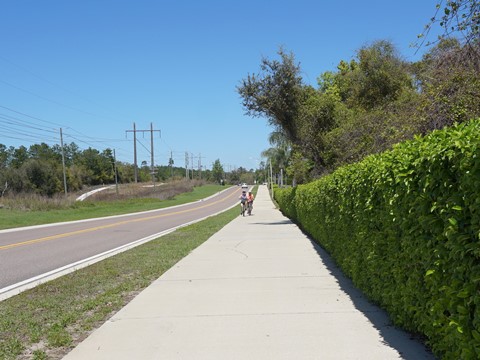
(29, 116)
(45, 98)
(32, 130)
(14, 122)
(52, 84)
(23, 133)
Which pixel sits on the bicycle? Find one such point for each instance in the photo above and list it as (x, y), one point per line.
(243, 207)
(249, 207)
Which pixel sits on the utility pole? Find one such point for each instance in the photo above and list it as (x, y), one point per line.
(135, 147)
(151, 158)
(200, 166)
(171, 162)
(186, 166)
(271, 180)
(115, 169)
(63, 164)
(135, 168)
(191, 163)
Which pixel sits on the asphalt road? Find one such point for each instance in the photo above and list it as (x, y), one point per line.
(29, 252)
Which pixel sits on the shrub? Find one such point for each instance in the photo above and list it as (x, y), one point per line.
(405, 226)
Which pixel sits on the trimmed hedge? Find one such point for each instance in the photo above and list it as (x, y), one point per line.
(404, 225)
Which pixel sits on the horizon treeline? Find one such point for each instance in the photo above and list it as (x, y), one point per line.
(39, 169)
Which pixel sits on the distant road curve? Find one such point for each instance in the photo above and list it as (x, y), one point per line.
(32, 255)
(90, 193)
(87, 194)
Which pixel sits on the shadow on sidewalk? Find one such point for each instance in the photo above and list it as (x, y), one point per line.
(282, 222)
(406, 344)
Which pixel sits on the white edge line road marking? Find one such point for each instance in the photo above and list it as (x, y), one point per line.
(24, 285)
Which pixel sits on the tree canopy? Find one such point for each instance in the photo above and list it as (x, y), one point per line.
(38, 169)
(367, 105)
(275, 93)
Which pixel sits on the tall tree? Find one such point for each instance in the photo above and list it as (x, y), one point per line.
(98, 166)
(317, 117)
(19, 156)
(275, 93)
(380, 76)
(449, 81)
(4, 157)
(299, 168)
(217, 171)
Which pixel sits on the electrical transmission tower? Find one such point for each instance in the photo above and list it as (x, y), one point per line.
(135, 131)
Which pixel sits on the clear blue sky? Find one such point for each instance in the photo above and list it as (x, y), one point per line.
(94, 67)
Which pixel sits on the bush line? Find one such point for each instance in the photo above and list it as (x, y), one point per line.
(404, 225)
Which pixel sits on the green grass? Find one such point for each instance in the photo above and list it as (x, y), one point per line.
(49, 320)
(85, 210)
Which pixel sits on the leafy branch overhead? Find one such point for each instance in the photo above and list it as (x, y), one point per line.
(459, 18)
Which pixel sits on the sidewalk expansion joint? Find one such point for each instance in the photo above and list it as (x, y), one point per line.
(245, 278)
(239, 315)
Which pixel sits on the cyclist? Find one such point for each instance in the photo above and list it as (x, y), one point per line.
(250, 199)
(243, 202)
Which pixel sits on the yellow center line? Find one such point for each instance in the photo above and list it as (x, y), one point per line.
(58, 236)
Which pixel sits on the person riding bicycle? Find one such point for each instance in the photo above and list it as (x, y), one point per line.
(243, 202)
(250, 199)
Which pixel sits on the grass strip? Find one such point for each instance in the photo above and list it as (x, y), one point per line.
(88, 209)
(49, 320)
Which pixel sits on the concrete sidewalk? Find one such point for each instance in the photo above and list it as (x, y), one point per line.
(257, 289)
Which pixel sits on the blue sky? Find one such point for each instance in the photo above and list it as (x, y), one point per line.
(94, 67)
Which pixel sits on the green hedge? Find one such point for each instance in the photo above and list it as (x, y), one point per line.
(404, 225)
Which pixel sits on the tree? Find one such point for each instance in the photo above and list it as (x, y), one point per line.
(278, 157)
(364, 107)
(4, 157)
(317, 116)
(217, 171)
(299, 168)
(448, 79)
(43, 178)
(379, 76)
(44, 152)
(275, 93)
(247, 177)
(458, 17)
(339, 84)
(19, 156)
(261, 173)
(71, 152)
(14, 178)
(98, 166)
